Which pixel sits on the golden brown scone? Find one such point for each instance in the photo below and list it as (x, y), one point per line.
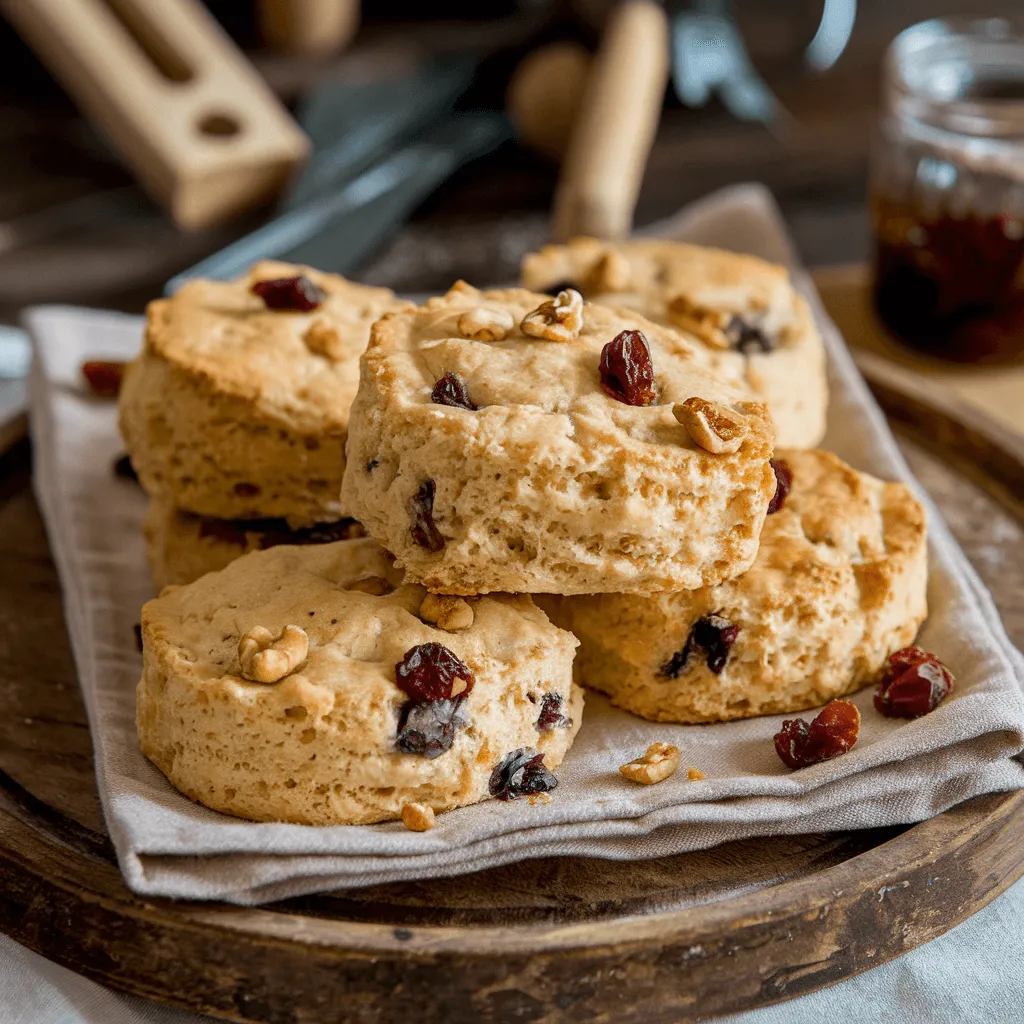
(839, 584)
(238, 411)
(269, 689)
(182, 546)
(548, 484)
(742, 307)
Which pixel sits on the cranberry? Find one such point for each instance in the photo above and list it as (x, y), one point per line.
(627, 373)
(712, 635)
(833, 732)
(297, 294)
(520, 773)
(421, 507)
(103, 377)
(451, 390)
(124, 470)
(914, 683)
(428, 672)
(429, 728)
(551, 716)
(783, 484)
(747, 338)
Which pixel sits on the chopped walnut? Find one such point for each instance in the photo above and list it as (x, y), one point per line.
(417, 817)
(323, 339)
(265, 658)
(658, 762)
(611, 273)
(448, 613)
(708, 324)
(483, 324)
(715, 427)
(558, 319)
(695, 775)
(376, 586)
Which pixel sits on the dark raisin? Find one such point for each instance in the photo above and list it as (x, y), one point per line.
(561, 286)
(627, 373)
(833, 732)
(226, 530)
(372, 465)
(429, 728)
(451, 390)
(421, 507)
(914, 683)
(551, 716)
(244, 490)
(137, 633)
(521, 773)
(713, 636)
(428, 672)
(124, 470)
(783, 484)
(297, 294)
(318, 533)
(103, 377)
(746, 338)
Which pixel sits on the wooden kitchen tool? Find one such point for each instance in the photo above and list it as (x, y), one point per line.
(197, 124)
(312, 28)
(614, 130)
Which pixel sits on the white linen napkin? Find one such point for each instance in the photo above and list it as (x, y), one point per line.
(898, 772)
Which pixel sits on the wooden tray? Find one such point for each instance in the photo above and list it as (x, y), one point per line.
(671, 940)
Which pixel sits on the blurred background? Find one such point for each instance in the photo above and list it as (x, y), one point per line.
(785, 92)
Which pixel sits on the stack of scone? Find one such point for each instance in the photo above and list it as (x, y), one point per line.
(610, 445)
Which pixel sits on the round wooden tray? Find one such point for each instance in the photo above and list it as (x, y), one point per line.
(671, 940)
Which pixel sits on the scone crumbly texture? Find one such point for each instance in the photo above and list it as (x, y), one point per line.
(182, 546)
(239, 411)
(549, 484)
(699, 289)
(839, 584)
(318, 746)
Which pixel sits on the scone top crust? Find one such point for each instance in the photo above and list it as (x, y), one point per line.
(664, 279)
(298, 367)
(548, 391)
(549, 483)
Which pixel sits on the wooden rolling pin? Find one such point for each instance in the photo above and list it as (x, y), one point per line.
(199, 127)
(313, 28)
(612, 136)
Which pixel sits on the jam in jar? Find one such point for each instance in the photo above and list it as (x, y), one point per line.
(947, 190)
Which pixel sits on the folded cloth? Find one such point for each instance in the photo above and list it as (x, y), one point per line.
(899, 771)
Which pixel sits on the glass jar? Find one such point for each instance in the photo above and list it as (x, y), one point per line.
(947, 189)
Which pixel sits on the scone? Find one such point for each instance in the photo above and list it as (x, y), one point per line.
(309, 685)
(838, 585)
(506, 441)
(182, 546)
(742, 307)
(237, 406)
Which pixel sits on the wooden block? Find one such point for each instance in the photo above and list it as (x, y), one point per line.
(198, 126)
(615, 127)
(315, 28)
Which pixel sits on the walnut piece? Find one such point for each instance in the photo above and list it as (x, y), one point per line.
(558, 319)
(417, 817)
(658, 762)
(708, 324)
(324, 340)
(611, 273)
(483, 324)
(715, 427)
(376, 586)
(265, 658)
(695, 775)
(448, 613)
